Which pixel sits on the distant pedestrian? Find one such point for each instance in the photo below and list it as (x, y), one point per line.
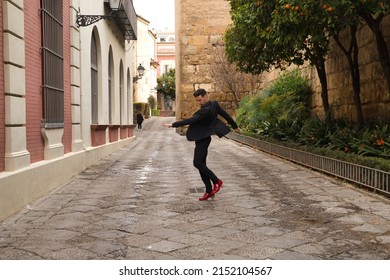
(140, 120)
(202, 125)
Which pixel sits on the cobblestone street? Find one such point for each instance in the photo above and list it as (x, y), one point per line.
(142, 203)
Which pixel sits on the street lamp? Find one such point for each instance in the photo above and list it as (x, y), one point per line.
(115, 4)
(141, 72)
(85, 20)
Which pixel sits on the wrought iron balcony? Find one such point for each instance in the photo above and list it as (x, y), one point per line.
(126, 19)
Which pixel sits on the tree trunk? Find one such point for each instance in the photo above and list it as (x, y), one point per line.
(352, 55)
(374, 25)
(321, 72)
(235, 98)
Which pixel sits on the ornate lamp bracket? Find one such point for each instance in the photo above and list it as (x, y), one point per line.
(85, 20)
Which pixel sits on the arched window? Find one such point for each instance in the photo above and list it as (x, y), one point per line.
(110, 88)
(94, 81)
(129, 104)
(121, 94)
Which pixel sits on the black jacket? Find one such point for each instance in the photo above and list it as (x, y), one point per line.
(205, 122)
(140, 118)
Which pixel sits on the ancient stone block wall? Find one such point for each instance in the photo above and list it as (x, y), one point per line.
(375, 95)
(199, 25)
(202, 23)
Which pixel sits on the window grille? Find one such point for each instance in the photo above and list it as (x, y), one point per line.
(53, 64)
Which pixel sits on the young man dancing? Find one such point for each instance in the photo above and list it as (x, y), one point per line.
(202, 125)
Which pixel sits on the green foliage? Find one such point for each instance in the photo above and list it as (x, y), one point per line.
(369, 140)
(373, 141)
(155, 112)
(269, 33)
(276, 33)
(166, 84)
(152, 102)
(369, 161)
(249, 117)
(141, 107)
(279, 110)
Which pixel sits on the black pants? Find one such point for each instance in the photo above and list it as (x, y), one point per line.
(200, 155)
(139, 125)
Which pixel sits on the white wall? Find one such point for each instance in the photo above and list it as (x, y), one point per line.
(107, 36)
(146, 52)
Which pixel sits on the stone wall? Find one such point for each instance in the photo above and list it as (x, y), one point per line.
(200, 24)
(375, 95)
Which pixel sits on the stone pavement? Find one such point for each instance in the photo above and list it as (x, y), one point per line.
(142, 203)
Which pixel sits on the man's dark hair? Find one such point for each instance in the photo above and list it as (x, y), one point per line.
(200, 91)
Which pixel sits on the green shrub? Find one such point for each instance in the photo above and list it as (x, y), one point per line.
(141, 107)
(280, 113)
(155, 112)
(249, 117)
(278, 110)
(152, 102)
(368, 161)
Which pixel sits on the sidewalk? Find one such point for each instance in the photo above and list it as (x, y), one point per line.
(142, 203)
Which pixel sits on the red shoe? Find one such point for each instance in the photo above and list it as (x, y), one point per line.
(207, 196)
(217, 186)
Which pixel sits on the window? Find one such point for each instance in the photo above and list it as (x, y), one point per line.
(53, 64)
(122, 97)
(94, 81)
(110, 89)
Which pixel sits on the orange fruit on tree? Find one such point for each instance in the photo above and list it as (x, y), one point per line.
(288, 6)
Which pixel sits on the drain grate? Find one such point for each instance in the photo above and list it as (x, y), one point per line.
(196, 190)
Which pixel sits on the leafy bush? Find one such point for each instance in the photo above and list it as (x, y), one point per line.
(249, 116)
(155, 112)
(141, 107)
(279, 110)
(373, 141)
(280, 113)
(152, 102)
(370, 140)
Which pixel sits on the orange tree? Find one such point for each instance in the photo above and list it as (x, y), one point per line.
(344, 15)
(269, 33)
(166, 84)
(319, 21)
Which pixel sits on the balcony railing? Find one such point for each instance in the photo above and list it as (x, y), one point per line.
(126, 19)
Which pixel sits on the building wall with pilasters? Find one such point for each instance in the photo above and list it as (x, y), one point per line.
(35, 159)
